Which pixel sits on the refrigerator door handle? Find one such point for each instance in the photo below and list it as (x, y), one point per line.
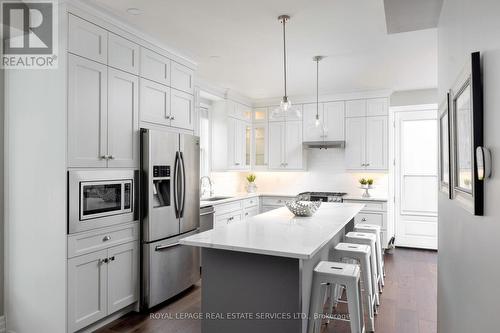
(176, 181)
(183, 187)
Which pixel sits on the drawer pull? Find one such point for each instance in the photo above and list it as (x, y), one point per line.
(103, 261)
(164, 247)
(106, 238)
(363, 219)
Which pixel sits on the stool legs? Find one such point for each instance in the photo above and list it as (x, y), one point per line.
(354, 305)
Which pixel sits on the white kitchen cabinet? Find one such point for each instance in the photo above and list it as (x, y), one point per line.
(377, 107)
(333, 115)
(155, 67)
(355, 108)
(238, 110)
(123, 54)
(366, 143)
(87, 289)
(123, 277)
(87, 39)
(374, 212)
(272, 202)
(377, 143)
(225, 219)
(285, 145)
(260, 114)
(313, 133)
(181, 109)
(260, 145)
(239, 133)
(250, 212)
(123, 119)
(182, 77)
(87, 113)
(154, 102)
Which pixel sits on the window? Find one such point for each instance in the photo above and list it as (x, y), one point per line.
(204, 142)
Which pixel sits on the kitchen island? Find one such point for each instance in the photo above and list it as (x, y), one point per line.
(257, 273)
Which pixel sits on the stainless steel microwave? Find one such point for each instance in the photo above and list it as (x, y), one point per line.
(100, 198)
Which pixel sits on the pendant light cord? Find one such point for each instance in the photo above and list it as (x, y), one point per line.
(317, 88)
(284, 54)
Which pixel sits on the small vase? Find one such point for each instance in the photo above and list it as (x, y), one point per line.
(251, 188)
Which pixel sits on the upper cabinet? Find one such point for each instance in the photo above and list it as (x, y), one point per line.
(123, 54)
(154, 102)
(367, 134)
(155, 67)
(182, 77)
(311, 131)
(331, 122)
(285, 145)
(87, 40)
(181, 109)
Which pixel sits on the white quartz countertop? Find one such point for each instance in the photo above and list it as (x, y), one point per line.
(241, 196)
(279, 232)
(362, 198)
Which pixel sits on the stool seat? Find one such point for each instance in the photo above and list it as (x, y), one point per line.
(333, 273)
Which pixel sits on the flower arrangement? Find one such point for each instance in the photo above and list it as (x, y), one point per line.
(251, 178)
(251, 187)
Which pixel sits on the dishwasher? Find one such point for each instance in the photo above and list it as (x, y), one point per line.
(206, 221)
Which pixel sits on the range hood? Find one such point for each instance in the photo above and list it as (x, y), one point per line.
(323, 144)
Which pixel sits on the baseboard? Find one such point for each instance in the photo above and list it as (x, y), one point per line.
(3, 327)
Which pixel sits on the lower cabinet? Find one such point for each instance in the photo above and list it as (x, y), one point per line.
(235, 211)
(374, 212)
(102, 282)
(272, 202)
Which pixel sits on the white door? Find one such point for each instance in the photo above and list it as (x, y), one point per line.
(376, 143)
(311, 132)
(355, 139)
(154, 102)
(276, 145)
(87, 112)
(123, 276)
(293, 145)
(123, 119)
(87, 289)
(181, 109)
(416, 183)
(334, 114)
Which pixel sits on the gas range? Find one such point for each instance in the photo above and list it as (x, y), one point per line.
(322, 196)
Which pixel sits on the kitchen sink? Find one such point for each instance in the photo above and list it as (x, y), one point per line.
(215, 198)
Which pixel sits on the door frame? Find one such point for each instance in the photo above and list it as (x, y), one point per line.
(391, 202)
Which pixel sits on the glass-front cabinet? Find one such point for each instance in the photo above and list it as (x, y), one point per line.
(260, 139)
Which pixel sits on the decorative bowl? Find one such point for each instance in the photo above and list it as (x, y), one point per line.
(303, 208)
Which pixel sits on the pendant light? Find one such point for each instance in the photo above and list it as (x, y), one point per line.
(285, 103)
(317, 121)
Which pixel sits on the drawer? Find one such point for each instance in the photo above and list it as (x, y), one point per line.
(249, 212)
(225, 219)
(227, 207)
(87, 242)
(275, 201)
(252, 202)
(370, 218)
(370, 205)
(265, 209)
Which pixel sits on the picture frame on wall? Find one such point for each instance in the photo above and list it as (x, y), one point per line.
(467, 134)
(445, 155)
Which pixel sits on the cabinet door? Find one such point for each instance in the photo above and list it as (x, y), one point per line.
(123, 119)
(260, 145)
(334, 115)
(87, 289)
(87, 40)
(155, 67)
(355, 108)
(276, 145)
(355, 142)
(293, 145)
(260, 114)
(377, 107)
(123, 276)
(123, 54)
(182, 77)
(249, 212)
(245, 112)
(154, 102)
(311, 131)
(181, 109)
(376, 143)
(246, 129)
(233, 144)
(87, 113)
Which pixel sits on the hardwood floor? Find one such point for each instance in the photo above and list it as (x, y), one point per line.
(408, 302)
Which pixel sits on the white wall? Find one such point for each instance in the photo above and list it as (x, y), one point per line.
(414, 97)
(2, 104)
(468, 268)
(325, 172)
(35, 198)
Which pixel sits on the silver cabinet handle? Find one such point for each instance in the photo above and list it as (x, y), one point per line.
(103, 261)
(168, 117)
(246, 214)
(367, 164)
(111, 157)
(104, 157)
(164, 247)
(172, 117)
(236, 164)
(106, 238)
(363, 219)
(112, 258)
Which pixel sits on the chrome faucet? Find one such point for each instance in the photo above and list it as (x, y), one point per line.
(203, 190)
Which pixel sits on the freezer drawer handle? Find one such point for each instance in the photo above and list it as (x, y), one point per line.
(164, 247)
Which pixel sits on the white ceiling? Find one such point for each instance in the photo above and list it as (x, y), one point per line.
(238, 44)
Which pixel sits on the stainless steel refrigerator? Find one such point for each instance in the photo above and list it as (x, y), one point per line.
(170, 210)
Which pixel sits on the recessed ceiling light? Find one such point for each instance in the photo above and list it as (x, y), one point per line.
(134, 11)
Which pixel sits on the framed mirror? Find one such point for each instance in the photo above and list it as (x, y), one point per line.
(445, 157)
(467, 130)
